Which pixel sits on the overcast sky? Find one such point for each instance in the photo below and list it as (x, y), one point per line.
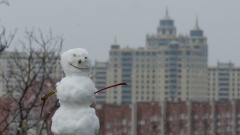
(93, 24)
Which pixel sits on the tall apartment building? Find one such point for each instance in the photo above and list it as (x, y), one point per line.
(100, 79)
(170, 68)
(224, 82)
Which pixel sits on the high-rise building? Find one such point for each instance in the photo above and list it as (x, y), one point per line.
(100, 79)
(224, 82)
(170, 68)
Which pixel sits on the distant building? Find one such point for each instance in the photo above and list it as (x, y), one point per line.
(13, 63)
(100, 79)
(6, 67)
(224, 82)
(171, 118)
(169, 68)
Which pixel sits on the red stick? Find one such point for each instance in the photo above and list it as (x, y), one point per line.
(123, 83)
(44, 101)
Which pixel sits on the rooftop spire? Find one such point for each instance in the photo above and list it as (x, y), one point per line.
(196, 24)
(115, 40)
(167, 11)
(196, 31)
(167, 15)
(115, 44)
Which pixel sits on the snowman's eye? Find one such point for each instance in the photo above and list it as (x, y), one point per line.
(74, 55)
(85, 57)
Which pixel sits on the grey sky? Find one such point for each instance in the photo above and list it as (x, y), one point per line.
(93, 24)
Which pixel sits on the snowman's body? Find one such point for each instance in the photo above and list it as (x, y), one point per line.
(75, 93)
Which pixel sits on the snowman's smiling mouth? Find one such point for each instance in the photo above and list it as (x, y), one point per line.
(76, 66)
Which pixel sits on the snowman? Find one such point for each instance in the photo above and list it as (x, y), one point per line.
(75, 93)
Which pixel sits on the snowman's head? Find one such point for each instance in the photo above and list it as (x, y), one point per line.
(76, 62)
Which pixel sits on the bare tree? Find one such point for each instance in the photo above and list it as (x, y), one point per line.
(28, 75)
(5, 39)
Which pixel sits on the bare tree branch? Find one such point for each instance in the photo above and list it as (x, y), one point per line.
(6, 40)
(31, 74)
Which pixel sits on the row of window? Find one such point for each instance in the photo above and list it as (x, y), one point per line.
(148, 53)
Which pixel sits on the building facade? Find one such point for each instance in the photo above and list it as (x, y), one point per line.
(99, 77)
(171, 118)
(17, 67)
(170, 67)
(224, 82)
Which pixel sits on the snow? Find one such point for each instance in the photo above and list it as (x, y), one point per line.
(75, 93)
(73, 56)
